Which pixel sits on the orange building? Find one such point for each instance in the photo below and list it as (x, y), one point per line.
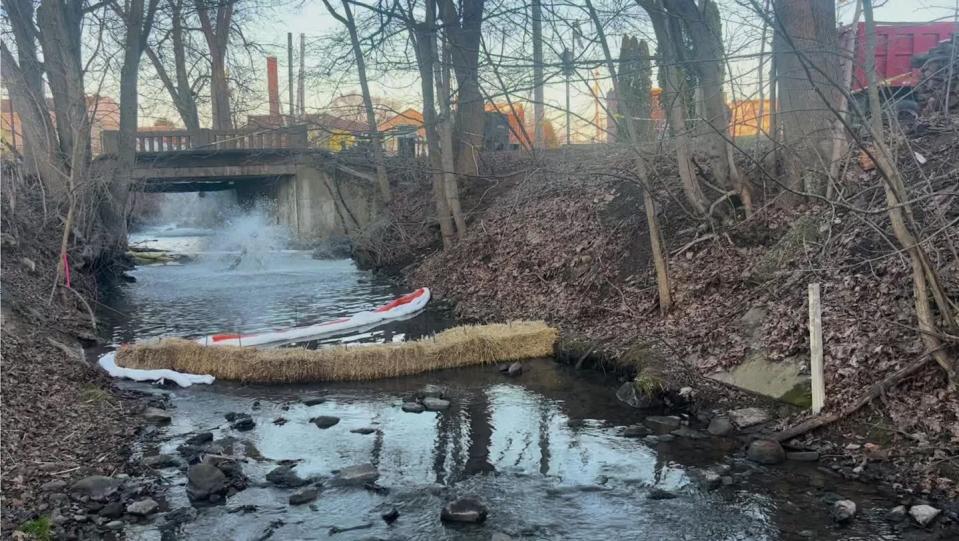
(745, 119)
(402, 126)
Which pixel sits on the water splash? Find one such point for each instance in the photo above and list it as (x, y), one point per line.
(248, 239)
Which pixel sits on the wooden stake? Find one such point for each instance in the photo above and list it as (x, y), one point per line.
(815, 349)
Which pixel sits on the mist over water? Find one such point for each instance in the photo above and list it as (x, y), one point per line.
(215, 228)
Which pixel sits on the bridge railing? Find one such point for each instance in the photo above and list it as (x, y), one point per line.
(181, 140)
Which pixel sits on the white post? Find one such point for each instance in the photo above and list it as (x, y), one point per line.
(815, 349)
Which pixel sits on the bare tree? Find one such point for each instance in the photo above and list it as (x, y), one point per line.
(60, 27)
(423, 36)
(703, 29)
(674, 92)
(655, 235)
(181, 87)
(24, 79)
(347, 20)
(445, 120)
(216, 31)
(462, 28)
(137, 16)
(807, 45)
(539, 109)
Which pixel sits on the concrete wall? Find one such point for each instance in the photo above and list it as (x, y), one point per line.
(316, 205)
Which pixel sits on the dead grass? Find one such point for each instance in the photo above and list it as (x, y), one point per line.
(456, 347)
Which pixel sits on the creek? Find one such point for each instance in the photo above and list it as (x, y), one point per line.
(544, 451)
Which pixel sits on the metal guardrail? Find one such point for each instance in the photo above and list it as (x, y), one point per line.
(292, 137)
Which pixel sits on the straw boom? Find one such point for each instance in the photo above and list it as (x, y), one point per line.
(456, 347)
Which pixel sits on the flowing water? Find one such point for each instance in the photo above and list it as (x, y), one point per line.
(544, 451)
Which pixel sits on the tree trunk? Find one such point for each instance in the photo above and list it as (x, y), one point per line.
(180, 90)
(347, 19)
(217, 37)
(60, 29)
(40, 144)
(24, 80)
(674, 102)
(463, 33)
(704, 30)
(539, 110)
(424, 42)
(925, 278)
(652, 223)
(138, 20)
(807, 66)
(451, 184)
(839, 144)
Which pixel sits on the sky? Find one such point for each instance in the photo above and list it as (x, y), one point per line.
(311, 18)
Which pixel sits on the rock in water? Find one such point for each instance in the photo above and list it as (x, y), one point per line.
(413, 407)
(156, 416)
(897, 513)
(306, 495)
(635, 431)
(200, 438)
(313, 401)
(356, 475)
(97, 487)
(144, 507)
(468, 510)
(204, 480)
(923, 514)
(284, 476)
(660, 494)
(112, 510)
(431, 391)
(160, 461)
(843, 510)
(243, 424)
(435, 404)
(720, 426)
(662, 425)
(766, 452)
(325, 421)
(686, 432)
(514, 369)
(390, 516)
(747, 417)
(364, 430)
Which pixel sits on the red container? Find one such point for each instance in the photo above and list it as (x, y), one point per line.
(896, 44)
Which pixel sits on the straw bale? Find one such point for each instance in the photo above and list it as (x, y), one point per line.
(459, 346)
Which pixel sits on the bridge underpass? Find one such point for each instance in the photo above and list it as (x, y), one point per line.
(311, 190)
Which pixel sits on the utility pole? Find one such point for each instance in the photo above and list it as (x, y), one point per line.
(289, 80)
(301, 81)
(596, 117)
(539, 110)
(568, 72)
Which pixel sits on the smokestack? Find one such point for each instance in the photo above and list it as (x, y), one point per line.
(273, 86)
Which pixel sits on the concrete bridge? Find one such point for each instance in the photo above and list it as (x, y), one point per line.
(316, 193)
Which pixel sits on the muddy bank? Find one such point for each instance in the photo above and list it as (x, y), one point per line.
(62, 419)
